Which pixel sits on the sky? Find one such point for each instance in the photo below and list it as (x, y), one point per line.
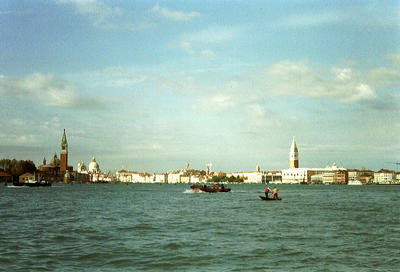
(150, 85)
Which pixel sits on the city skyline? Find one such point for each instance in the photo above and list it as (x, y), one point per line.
(153, 85)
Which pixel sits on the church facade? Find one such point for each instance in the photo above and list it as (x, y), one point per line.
(57, 169)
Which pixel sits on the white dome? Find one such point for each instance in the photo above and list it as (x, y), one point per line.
(94, 166)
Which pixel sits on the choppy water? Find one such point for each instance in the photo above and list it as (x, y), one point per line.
(114, 227)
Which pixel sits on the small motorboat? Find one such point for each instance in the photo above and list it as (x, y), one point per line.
(210, 189)
(269, 199)
(32, 183)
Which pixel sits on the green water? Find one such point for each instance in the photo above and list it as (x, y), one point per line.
(116, 227)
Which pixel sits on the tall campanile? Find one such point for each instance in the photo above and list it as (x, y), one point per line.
(64, 153)
(294, 155)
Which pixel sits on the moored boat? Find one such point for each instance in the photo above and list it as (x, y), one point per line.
(354, 182)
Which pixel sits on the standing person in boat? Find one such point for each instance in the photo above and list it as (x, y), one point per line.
(267, 192)
(275, 191)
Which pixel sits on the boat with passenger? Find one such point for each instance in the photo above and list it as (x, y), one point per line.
(269, 199)
(210, 189)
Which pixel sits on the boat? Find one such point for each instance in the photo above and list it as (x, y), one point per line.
(269, 199)
(210, 189)
(32, 183)
(354, 182)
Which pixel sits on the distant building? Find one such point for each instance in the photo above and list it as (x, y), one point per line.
(364, 176)
(57, 169)
(160, 178)
(94, 167)
(64, 154)
(5, 177)
(252, 176)
(294, 155)
(26, 177)
(82, 169)
(384, 176)
(274, 177)
(295, 175)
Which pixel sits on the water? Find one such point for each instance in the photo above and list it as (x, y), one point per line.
(115, 227)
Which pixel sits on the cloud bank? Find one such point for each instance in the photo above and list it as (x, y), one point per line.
(46, 90)
(174, 15)
(298, 79)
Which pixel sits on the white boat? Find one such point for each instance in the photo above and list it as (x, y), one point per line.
(354, 182)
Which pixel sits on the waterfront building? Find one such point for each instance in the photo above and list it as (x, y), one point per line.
(5, 177)
(26, 177)
(82, 169)
(136, 177)
(185, 179)
(57, 169)
(259, 176)
(384, 176)
(328, 175)
(273, 177)
(295, 175)
(397, 178)
(141, 178)
(124, 175)
(255, 177)
(94, 167)
(195, 179)
(50, 172)
(94, 171)
(159, 178)
(251, 176)
(174, 177)
(363, 175)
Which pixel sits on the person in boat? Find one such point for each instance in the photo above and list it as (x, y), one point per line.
(222, 187)
(275, 191)
(267, 192)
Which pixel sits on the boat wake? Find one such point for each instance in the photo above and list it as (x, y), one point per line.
(190, 191)
(12, 186)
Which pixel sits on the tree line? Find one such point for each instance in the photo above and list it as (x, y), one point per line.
(225, 179)
(17, 167)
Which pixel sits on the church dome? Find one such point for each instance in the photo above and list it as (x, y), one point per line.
(55, 161)
(94, 166)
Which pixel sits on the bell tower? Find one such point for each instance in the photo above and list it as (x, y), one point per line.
(64, 153)
(294, 155)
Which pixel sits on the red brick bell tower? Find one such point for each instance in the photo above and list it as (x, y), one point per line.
(64, 153)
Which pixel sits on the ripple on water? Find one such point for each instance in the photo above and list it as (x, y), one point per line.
(159, 228)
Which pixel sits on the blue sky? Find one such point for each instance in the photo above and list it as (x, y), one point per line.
(149, 86)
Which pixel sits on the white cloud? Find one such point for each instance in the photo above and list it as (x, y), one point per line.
(342, 74)
(207, 53)
(45, 90)
(195, 51)
(395, 58)
(310, 19)
(174, 15)
(140, 26)
(214, 35)
(298, 79)
(215, 103)
(99, 12)
(199, 43)
(187, 47)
